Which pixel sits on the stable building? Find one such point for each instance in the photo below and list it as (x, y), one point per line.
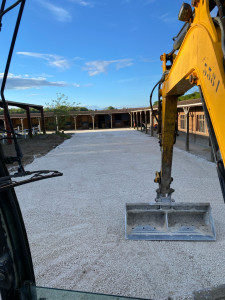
(190, 119)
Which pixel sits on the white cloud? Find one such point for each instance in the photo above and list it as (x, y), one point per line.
(21, 82)
(96, 67)
(60, 14)
(100, 66)
(78, 58)
(83, 3)
(123, 63)
(148, 60)
(77, 85)
(167, 18)
(52, 59)
(60, 63)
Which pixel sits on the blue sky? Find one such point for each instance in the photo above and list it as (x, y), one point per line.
(97, 52)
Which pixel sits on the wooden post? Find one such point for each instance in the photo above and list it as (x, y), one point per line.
(43, 121)
(75, 122)
(137, 120)
(111, 121)
(146, 129)
(29, 122)
(131, 119)
(39, 124)
(151, 123)
(21, 121)
(186, 111)
(195, 129)
(57, 123)
(93, 121)
(141, 120)
(192, 122)
(7, 127)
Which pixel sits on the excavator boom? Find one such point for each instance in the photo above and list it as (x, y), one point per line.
(200, 61)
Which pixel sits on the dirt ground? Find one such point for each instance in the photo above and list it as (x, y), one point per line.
(35, 147)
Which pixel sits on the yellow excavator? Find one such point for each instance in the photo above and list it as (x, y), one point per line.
(197, 58)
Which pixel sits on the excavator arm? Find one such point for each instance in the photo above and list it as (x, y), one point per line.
(199, 61)
(197, 58)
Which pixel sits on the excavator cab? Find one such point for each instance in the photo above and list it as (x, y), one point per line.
(197, 58)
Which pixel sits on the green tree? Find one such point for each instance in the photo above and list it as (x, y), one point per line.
(194, 95)
(18, 111)
(81, 108)
(61, 108)
(110, 108)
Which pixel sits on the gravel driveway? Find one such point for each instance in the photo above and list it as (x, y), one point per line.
(75, 223)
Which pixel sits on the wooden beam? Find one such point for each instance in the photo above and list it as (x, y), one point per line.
(57, 123)
(29, 122)
(186, 111)
(43, 121)
(111, 117)
(93, 121)
(151, 123)
(7, 127)
(146, 129)
(137, 120)
(22, 127)
(39, 124)
(75, 122)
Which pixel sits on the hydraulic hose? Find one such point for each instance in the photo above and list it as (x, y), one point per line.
(151, 99)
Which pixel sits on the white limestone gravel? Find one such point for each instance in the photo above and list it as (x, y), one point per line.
(75, 223)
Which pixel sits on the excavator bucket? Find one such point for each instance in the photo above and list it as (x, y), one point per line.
(169, 222)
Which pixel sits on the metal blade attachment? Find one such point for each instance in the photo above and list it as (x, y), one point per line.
(169, 221)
